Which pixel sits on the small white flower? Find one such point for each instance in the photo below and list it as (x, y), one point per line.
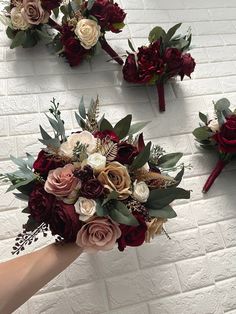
(140, 191)
(86, 208)
(88, 31)
(84, 137)
(17, 19)
(214, 125)
(97, 162)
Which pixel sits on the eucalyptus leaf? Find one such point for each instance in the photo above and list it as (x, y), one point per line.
(43, 35)
(21, 196)
(171, 32)
(44, 134)
(54, 142)
(82, 110)
(80, 121)
(142, 157)
(56, 12)
(179, 176)
(100, 210)
(160, 198)
(203, 118)
(106, 125)
(222, 104)
(131, 45)
(122, 127)
(112, 196)
(26, 210)
(166, 212)
(18, 39)
(10, 32)
(202, 133)
(136, 127)
(169, 160)
(156, 33)
(18, 161)
(90, 4)
(119, 217)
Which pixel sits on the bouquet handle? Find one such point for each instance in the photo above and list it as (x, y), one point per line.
(105, 46)
(161, 96)
(215, 173)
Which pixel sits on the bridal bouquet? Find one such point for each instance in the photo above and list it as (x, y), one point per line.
(96, 186)
(163, 58)
(25, 20)
(83, 29)
(219, 132)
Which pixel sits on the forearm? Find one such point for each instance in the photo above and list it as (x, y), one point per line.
(22, 277)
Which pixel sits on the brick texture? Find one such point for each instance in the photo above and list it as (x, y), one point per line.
(195, 271)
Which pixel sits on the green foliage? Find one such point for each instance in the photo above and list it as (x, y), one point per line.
(142, 157)
(123, 126)
(203, 118)
(136, 127)
(23, 176)
(88, 120)
(166, 212)
(160, 198)
(156, 33)
(121, 214)
(169, 160)
(18, 40)
(131, 45)
(155, 154)
(202, 133)
(90, 4)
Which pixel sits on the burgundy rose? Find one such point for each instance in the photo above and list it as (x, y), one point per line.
(126, 153)
(108, 14)
(188, 65)
(132, 235)
(50, 4)
(173, 60)
(65, 221)
(226, 138)
(116, 16)
(130, 70)
(41, 204)
(44, 163)
(92, 189)
(107, 133)
(99, 10)
(73, 50)
(84, 174)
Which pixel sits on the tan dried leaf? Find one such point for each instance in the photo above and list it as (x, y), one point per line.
(154, 228)
(153, 179)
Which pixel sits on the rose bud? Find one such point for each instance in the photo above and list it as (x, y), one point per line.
(140, 191)
(96, 161)
(91, 189)
(86, 208)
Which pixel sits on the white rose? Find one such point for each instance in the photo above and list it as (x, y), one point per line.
(140, 191)
(88, 31)
(17, 19)
(97, 161)
(214, 125)
(84, 137)
(86, 208)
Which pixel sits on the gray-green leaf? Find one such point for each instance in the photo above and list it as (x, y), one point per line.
(142, 157)
(169, 160)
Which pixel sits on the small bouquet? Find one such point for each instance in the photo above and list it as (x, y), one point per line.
(84, 27)
(220, 133)
(26, 20)
(163, 58)
(98, 186)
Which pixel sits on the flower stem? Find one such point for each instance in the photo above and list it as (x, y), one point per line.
(161, 96)
(110, 51)
(54, 25)
(215, 173)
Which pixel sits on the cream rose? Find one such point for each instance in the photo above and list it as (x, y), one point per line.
(214, 125)
(84, 137)
(97, 162)
(85, 207)
(115, 177)
(61, 182)
(33, 12)
(17, 19)
(88, 32)
(140, 192)
(98, 234)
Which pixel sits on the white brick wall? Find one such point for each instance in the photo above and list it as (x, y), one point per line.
(195, 272)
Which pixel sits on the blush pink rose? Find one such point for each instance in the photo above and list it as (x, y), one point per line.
(33, 12)
(98, 234)
(61, 181)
